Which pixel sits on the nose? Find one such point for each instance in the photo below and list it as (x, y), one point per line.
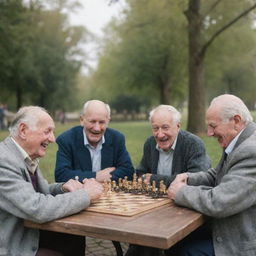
(160, 133)
(210, 131)
(52, 137)
(97, 126)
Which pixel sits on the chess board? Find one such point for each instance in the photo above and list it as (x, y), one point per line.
(125, 204)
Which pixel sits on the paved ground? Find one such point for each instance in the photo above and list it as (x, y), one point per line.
(98, 247)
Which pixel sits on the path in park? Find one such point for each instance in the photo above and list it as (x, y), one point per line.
(98, 247)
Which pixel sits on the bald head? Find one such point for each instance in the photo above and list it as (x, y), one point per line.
(96, 106)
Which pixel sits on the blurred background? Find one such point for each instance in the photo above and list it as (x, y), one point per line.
(131, 54)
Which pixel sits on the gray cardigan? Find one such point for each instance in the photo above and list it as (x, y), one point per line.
(189, 156)
(228, 195)
(19, 201)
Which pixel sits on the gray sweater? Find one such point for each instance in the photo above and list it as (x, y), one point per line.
(189, 156)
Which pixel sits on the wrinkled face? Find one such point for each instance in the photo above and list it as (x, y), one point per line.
(37, 139)
(164, 129)
(223, 131)
(95, 122)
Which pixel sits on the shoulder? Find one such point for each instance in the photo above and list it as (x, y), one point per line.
(189, 137)
(112, 133)
(71, 133)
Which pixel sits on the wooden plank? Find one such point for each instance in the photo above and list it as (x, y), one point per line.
(160, 227)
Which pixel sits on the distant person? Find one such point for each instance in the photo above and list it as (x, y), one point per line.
(92, 150)
(226, 193)
(26, 195)
(168, 152)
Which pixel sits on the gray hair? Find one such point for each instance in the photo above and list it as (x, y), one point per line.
(176, 116)
(231, 105)
(28, 115)
(86, 105)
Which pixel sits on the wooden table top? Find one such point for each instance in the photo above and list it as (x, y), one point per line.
(161, 227)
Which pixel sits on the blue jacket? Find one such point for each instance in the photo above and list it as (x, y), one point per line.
(74, 159)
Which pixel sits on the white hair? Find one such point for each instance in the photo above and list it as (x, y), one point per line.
(230, 105)
(176, 116)
(86, 105)
(28, 115)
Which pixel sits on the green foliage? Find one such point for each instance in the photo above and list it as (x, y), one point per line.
(144, 54)
(37, 62)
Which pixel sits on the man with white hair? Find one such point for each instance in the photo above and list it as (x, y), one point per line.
(92, 150)
(225, 193)
(26, 195)
(170, 150)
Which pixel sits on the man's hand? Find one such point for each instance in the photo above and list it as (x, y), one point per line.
(104, 175)
(71, 185)
(93, 188)
(179, 182)
(146, 178)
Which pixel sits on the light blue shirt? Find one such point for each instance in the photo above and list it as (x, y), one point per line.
(231, 145)
(165, 160)
(95, 152)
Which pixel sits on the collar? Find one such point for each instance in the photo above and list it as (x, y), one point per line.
(32, 163)
(232, 144)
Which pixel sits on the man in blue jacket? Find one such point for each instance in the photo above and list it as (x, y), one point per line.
(92, 150)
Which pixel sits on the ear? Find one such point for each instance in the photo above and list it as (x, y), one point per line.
(237, 119)
(23, 128)
(81, 120)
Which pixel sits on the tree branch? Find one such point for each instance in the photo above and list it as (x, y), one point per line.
(229, 24)
(212, 7)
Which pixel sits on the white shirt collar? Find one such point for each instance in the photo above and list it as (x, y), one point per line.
(232, 144)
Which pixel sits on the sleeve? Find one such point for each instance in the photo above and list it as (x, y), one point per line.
(18, 197)
(123, 161)
(65, 158)
(235, 193)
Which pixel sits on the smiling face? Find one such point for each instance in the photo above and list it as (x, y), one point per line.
(223, 131)
(164, 129)
(36, 139)
(95, 122)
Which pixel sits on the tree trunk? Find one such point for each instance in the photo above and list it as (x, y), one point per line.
(196, 103)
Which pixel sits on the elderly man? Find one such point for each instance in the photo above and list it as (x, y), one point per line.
(226, 193)
(93, 150)
(170, 150)
(25, 194)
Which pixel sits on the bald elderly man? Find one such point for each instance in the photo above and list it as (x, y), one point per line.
(92, 150)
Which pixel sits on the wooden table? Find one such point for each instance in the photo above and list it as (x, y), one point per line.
(161, 227)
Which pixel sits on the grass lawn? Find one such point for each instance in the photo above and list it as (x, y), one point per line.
(135, 133)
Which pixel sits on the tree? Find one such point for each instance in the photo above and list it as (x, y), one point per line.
(138, 57)
(198, 46)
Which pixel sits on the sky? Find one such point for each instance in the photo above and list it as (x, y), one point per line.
(94, 15)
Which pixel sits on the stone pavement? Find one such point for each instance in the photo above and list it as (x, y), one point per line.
(98, 247)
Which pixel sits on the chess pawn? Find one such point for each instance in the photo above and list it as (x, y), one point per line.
(113, 185)
(162, 188)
